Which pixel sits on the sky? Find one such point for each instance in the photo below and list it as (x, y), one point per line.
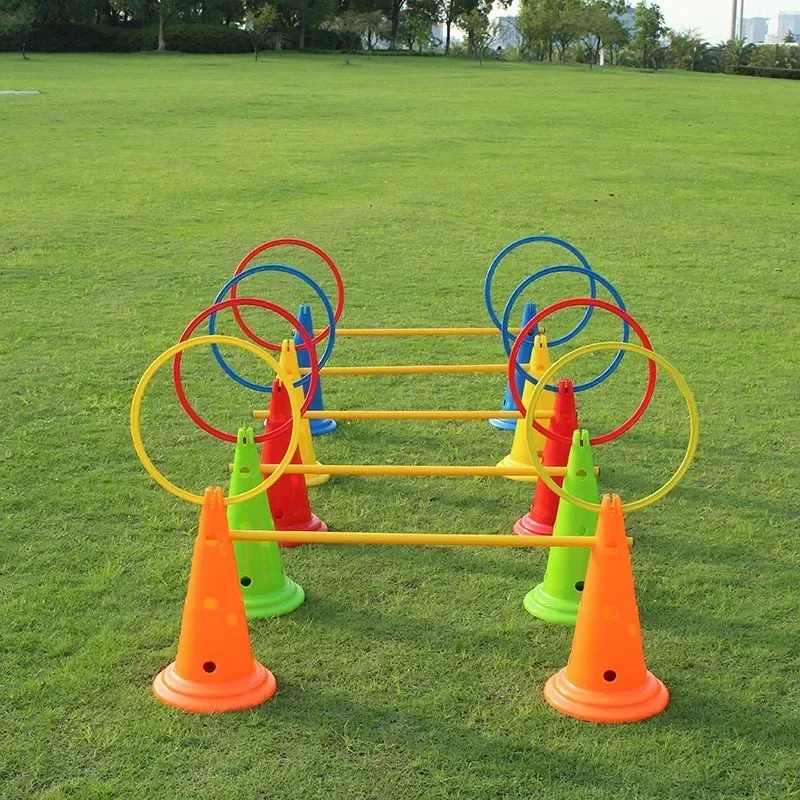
(712, 18)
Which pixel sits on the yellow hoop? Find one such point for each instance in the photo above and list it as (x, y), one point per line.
(694, 423)
(136, 405)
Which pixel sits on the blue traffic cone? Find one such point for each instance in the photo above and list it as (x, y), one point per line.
(528, 313)
(318, 426)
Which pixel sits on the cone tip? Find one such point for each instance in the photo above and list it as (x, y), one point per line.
(213, 498)
(245, 435)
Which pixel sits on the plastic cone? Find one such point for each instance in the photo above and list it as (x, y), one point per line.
(288, 496)
(319, 427)
(542, 515)
(266, 590)
(606, 679)
(524, 357)
(215, 669)
(519, 455)
(557, 598)
(288, 361)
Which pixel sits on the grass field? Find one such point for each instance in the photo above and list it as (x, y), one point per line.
(131, 187)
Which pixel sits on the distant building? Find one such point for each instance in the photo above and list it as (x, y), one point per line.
(754, 29)
(627, 17)
(788, 22)
(507, 32)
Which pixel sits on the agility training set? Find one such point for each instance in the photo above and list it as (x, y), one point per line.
(236, 570)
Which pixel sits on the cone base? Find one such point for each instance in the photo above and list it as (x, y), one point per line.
(314, 524)
(205, 698)
(503, 424)
(317, 480)
(272, 604)
(539, 603)
(512, 462)
(319, 427)
(527, 526)
(607, 707)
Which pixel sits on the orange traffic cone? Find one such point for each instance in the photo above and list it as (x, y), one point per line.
(606, 679)
(215, 669)
(542, 515)
(288, 496)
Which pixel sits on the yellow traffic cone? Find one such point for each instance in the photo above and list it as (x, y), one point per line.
(288, 361)
(519, 455)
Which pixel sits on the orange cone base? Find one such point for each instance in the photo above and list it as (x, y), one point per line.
(630, 706)
(316, 524)
(527, 526)
(512, 462)
(203, 698)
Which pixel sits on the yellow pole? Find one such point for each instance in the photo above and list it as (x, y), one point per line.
(401, 415)
(413, 470)
(415, 539)
(418, 331)
(414, 369)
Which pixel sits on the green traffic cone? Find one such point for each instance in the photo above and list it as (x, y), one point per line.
(556, 599)
(266, 590)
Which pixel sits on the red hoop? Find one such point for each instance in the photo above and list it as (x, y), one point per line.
(606, 306)
(233, 303)
(337, 276)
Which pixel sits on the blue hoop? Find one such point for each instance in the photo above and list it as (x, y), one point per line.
(212, 322)
(487, 283)
(506, 334)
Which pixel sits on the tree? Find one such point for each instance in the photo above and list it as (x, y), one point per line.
(416, 22)
(349, 24)
(481, 33)
(450, 11)
(734, 53)
(690, 52)
(147, 10)
(570, 24)
(648, 28)
(602, 28)
(17, 20)
(258, 25)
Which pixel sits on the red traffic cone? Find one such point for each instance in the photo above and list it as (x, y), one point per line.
(214, 669)
(288, 496)
(542, 515)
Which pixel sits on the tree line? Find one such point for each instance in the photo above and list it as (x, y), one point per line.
(548, 30)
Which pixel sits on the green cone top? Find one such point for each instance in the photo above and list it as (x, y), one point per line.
(266, 590)
(556, 599)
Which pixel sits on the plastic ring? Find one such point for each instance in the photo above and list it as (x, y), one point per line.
(694, 425)
(651, 379)
(195, 323)
(487, 283)
(337, 276)
(229, 287)
(508, 338)
(136, 406)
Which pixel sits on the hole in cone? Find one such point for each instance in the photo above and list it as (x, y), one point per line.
(581, 473)
(244, 471)
(245, 581)
(209, 666)
(609, 675)
(579, 586)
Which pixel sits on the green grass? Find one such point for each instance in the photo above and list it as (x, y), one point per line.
(131, 187)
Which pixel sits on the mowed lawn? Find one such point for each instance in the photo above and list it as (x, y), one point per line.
(131, 187)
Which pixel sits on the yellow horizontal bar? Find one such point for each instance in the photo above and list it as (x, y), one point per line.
(414, 470)
(398, 415)
(418, 331)
(415, 539)
(413, 369)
